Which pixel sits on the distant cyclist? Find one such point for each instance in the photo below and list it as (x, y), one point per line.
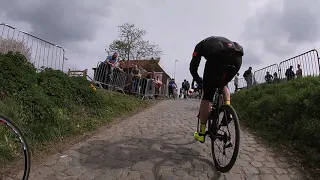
(172, 86)
(218, 51)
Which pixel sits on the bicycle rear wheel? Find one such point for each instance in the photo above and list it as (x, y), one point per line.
(10, 131)
(224, 138)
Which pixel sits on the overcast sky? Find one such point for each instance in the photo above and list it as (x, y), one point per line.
(270, 31)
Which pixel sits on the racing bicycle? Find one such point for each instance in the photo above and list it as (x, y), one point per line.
(218, 129)
(14, 145)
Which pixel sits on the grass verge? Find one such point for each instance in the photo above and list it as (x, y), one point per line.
(287, 115)
(49, 106)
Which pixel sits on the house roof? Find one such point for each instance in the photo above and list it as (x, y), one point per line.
(148, 65)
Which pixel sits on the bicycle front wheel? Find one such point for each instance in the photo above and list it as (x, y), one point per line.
(223, 143)
(14, 151)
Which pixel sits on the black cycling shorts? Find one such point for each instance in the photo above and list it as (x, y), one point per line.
(213, 77)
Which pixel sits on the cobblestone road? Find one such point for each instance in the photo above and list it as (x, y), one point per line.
(156, 145)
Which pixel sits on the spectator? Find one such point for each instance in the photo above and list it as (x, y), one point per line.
(268, 78)
(236, 82)
(135, 73)
(289, 73)
(172, 86)
(150, 75)
(187, 87)
(183, 83)
(184, 87)
(158, 84)
(111, 63)
(248, 76)
(275, 77)
(181, 92)
(299, 71)
(175, 92)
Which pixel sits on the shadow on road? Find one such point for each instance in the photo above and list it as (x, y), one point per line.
(166, 157)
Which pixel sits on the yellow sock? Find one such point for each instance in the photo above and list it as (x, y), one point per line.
(203, 128)
(227, 102)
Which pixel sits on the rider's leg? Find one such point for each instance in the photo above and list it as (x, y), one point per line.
(205, 107)
(226, 95)
(204, 113)
(209, 87)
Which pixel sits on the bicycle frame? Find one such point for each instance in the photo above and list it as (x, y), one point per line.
(216, 103)
(213, 115)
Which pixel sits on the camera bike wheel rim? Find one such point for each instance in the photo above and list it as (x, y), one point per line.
(4, 121)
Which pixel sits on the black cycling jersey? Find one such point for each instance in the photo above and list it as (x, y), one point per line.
(208, 48)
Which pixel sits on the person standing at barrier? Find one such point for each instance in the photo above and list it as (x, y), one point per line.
(268, 78)
(299, 71)
(236, 82)
(248, 76)
(289, 73)
(275, 77)
(158, 84)
(135, 73)
(111, 62)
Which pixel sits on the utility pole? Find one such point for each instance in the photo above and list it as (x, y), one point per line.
(175, 64)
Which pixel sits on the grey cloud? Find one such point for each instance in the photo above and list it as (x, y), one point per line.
(250, 58)
(59, 21)
(281, 31)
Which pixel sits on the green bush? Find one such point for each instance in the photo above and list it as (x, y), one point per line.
(49, 105)
(286, 113)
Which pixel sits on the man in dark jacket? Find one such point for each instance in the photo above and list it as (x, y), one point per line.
(289, 73)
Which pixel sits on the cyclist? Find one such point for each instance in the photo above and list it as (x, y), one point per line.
(172, 86)
(218, 51)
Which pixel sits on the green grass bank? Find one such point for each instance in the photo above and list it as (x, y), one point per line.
(285, 114)
(49, 105)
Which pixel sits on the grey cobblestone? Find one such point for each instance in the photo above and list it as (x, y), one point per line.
(158, 144)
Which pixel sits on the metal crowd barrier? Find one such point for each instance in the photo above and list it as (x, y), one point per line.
(261, 73)
(241, 85)
(308, 61)
(142, 87)
(146, 88)
(113, 78)
(165, 90)
(38, 51)
(109, 77)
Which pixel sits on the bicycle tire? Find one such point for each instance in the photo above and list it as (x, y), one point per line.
(228, 167)
(15, 129)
